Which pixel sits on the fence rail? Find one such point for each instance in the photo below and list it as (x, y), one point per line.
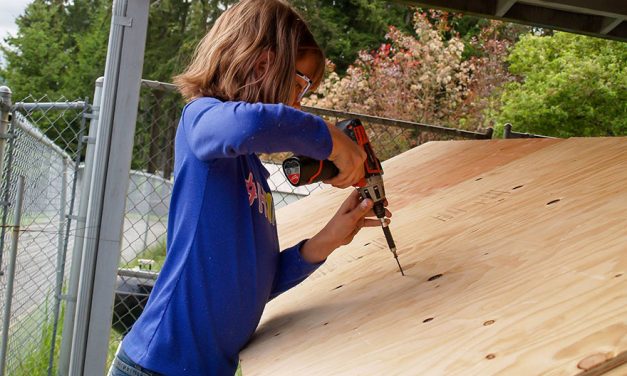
(453, 132)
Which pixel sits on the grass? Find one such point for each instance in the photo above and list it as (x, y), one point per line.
(34, 361)
(114, 341)
(156, 253)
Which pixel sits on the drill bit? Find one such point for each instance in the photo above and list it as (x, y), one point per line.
(390, 240)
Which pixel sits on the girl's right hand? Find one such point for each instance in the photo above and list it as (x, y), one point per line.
(348, 157)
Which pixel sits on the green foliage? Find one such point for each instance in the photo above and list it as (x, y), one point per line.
(424, 76)
(567, 84)
(37, 57)
(61, 46)
(345, 27)
(60, 50)
(34, 359)
(90, 54)
(570, 85)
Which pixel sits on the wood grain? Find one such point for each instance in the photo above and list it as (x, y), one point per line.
(516, 259)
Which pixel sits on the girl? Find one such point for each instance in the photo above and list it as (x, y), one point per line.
(244, 84)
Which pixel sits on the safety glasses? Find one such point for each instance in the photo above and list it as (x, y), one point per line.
(308, 84)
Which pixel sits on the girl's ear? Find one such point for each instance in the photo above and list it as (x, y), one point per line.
(263, 63)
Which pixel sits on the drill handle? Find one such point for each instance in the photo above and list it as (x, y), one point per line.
(302, 170)
(354, 129)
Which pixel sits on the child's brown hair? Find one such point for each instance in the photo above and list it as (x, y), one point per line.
(224, 63)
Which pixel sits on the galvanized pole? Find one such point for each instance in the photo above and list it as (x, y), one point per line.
(68, 224)
(60, 262)
(8, 293)
(146, 214)
(5, 116)
(94, 211)
(114, 148)
(79, 236)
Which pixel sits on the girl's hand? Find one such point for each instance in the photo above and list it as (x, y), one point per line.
(348, 157)
(352, 216)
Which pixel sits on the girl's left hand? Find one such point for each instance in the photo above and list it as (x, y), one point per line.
(353, 215)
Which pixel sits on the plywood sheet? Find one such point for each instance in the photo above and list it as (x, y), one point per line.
(516, 259)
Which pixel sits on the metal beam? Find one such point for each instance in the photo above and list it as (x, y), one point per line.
(554, 18)
(112, 161)
(476, 7)
(606, 8)
(502, 6)
(609, 24)
(576, 16)
(619, 31)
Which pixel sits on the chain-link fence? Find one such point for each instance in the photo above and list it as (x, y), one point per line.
(43, 143)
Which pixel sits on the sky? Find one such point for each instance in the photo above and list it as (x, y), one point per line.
(9, 10)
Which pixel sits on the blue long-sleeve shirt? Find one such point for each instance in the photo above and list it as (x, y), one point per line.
(223, 262)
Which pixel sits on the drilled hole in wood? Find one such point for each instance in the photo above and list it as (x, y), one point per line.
(433, 278)
(489, 322)
(553, 202)
(337, 287)
(490, 356)
(518, 186)
(427, 320)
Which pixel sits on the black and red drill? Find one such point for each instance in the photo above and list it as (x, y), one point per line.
(302, 170)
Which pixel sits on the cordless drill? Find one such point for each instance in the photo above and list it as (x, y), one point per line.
(302, 170)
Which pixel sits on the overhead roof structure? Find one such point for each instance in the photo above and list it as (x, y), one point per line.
(599, 18)
(515, 255)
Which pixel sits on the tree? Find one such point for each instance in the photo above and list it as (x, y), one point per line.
(39, 56)
(345, 27)
(423, 78)
(569, 85)
(89, 54)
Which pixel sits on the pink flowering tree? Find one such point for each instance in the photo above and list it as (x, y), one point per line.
(424, 78)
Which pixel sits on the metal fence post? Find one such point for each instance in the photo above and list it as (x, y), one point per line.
(147, 186)
(79, 236)
(60, 263)
(507, 131)
(5, 116)
(8, 296)
(5, 183)
(107, 202)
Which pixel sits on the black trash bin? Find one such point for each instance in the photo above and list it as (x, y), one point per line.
(131, 295)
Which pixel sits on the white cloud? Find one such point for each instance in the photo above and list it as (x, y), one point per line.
(9, 11)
